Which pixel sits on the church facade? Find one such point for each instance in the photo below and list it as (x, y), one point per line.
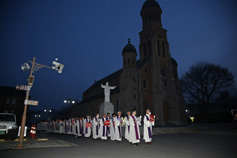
(148, 83)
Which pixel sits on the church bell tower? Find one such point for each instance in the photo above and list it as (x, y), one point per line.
(158, 83)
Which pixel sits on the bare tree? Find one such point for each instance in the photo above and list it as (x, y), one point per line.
(202, 81)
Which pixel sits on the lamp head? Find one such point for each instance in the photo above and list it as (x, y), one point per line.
(25, 67)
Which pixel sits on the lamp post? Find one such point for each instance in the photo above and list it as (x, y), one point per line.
(47, 111)
(69, 102)
(34, 67)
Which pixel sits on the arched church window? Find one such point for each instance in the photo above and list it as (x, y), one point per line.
(144, 83)
(158, 47)
(162, 72)
(144, 49)
(165, 83)
(133, 61)
(149, 43)
(163, 49)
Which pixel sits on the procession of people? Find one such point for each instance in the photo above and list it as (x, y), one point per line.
(106, 127)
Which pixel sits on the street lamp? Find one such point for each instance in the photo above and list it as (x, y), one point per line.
(34, 67)
(69, 103)
(47, 111)
(37, 116)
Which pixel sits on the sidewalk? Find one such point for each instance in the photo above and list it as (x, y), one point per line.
(226, 129)
(41, 141)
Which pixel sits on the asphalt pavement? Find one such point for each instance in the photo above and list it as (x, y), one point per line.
(184, 145)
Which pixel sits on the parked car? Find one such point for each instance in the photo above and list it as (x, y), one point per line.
(8, 127)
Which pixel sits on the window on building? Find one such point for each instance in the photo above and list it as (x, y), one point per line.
(158, 47)
(145, 70)
(134, 96)
(133, 61)
(13, 101)
(134, 79)
(144, 49)
(129, 61)
(149, 44)
(165, 83)
(163, 49)
(144, 83)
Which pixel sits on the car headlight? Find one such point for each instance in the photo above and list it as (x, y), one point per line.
(9, 127)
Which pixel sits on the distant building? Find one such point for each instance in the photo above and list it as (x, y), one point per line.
(150, 82)
(35, 116)
(12, 101)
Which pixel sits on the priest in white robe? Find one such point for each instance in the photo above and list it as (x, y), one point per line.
(65, 126)
(147, 129)
(73, 126)
(96, 126)
(103, 128)
(61, 127)
(77, 127)
(127, 125)
(118, 127)
(69, 122)
(112, 127)
(54, 126)
(134, 134)
(87, 129)
(81, 120)
(108, 127)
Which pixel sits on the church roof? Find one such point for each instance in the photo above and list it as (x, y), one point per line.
(129, 48)
(174, 62)
(105, 79)
(112, 76)
(150, 3)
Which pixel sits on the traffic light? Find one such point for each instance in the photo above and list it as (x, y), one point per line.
(58, 67)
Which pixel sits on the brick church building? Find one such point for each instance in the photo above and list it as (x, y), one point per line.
(149, 82)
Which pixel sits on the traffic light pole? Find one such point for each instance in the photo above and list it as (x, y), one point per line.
(23, 122)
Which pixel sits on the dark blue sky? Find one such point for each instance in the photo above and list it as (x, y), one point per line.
(88, 36)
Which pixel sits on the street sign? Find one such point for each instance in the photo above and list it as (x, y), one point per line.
(31, 80)
(31, 102)
(22, 87)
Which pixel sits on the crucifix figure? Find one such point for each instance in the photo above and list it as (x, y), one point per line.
(107, 89)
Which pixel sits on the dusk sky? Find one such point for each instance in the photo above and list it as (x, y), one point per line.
(88, 36)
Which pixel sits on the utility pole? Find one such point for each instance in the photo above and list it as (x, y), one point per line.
(23, 122)
(34, 67)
